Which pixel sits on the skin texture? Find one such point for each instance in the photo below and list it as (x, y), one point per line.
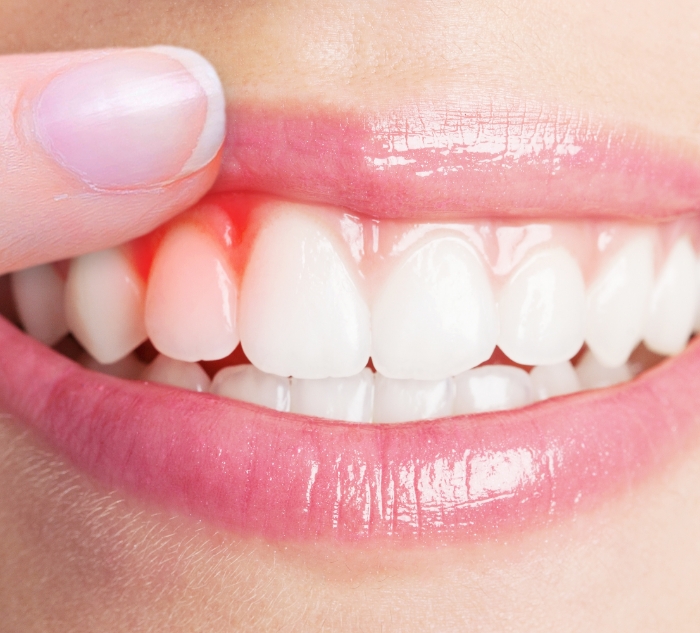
(75, 557)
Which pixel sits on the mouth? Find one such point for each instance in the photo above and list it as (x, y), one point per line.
(433, 325)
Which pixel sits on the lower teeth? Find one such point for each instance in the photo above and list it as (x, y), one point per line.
(371, 397)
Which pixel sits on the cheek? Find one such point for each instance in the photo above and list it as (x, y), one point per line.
(74, 554)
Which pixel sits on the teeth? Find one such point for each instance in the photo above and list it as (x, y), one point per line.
(247, 383)
(104, 305)
(177, 373)
(618, 303)
(442, 298)
(673, 301)
(302, 313)
(406, 400)
(439, 300)
(492, 388)
(348, 399)
(38, 294)
(191, 298)
(129, 367)
(549, 381)
(593, 375)
(542, 310)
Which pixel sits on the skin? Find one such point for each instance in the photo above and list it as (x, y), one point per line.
(75, 557)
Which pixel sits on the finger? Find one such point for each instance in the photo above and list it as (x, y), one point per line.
(98, 147)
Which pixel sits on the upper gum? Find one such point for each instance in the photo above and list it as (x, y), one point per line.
(371, 247)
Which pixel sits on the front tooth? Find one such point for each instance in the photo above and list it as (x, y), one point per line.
(248, 383)
(492, 388)
(618, 301)
(435, 316)
(406, 400)
(191, 298)
(302, 313)
(554, 380)
(38, 294)
(673, 301)
(593, 375)
(104, 304)
(542, 309)
(347, 399)
(177, 373)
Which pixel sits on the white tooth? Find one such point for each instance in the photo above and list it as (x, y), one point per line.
(128, 367)
(673, 301)
(593, 375)
(618, 301)
(554, 380)
(435, 316)
(38, 294)
(191, 298)
(406, 400)
(248, 383)
(177, 373)
(104, 304)
(347, 399)
(302, 313)
(542, 309)
(492, 388)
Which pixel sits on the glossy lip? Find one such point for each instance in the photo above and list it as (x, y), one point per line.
(440, 161)
(282, 476)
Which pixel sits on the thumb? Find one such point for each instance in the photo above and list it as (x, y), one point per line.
(101, 146)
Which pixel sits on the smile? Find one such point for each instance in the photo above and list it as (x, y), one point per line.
(436, 325)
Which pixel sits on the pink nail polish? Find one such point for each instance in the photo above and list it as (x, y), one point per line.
(134, 118)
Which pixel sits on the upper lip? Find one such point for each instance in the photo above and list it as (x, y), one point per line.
(438, 162)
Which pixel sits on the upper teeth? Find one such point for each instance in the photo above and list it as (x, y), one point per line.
(313, 294)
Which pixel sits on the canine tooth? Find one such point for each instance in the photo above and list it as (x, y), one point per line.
(593, 375)
(348, 399)
(38, 294)
(191, 298)
(435, 316)
(302, 313)
(104, 304)
(492, 388)
(542, 309)
(405, 400)
(248, 383)
(673, 301)
(177, 373)
(128, 367)
(618, 302)
(554, 380)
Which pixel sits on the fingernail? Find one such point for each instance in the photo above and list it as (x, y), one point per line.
(133, 118)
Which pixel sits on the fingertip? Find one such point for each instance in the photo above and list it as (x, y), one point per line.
(133, 119)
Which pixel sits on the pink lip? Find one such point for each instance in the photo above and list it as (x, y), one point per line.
(288, 477)
(446, 162)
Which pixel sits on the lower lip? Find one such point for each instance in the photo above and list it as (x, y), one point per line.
(282, 476)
